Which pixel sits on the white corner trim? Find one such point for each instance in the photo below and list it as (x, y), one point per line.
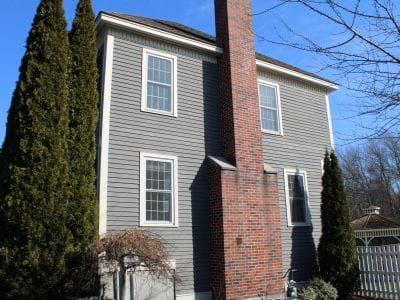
(174, 86)
(157, 33)
(278, 97)
(175, 205)
(269, 66)
(328, 112)
(105, 130)
(195, 296)
(287, 172)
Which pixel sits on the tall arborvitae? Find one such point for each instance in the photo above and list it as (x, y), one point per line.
(34, 163)
(83, 113)
(337, 254)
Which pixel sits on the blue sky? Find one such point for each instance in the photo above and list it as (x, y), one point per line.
(16, 17)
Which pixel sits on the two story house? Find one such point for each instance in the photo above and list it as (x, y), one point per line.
(214, 147)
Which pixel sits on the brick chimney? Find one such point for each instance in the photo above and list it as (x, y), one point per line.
(245, 216)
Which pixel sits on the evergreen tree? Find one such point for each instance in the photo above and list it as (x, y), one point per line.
(83, 113)
(337, 253)
(34, 163)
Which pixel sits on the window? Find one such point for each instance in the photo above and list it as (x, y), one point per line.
(269, 107)
(158, 194)
(159, 83)
(297, 198)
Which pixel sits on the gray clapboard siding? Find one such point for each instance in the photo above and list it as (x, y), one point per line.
(191, 137)
(305, 138)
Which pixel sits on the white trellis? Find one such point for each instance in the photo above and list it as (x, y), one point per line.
(380, 271)
(366, 236)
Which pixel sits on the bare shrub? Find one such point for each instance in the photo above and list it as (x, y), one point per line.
(120, 251)
(147, 247)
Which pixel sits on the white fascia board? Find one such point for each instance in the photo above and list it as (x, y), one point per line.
(147, 30)
(208, 47)
(269, 66)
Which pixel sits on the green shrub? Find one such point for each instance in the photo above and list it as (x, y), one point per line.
(34, 189)
(319, 290)
(308, 294)
(83, 102)
(337, 253)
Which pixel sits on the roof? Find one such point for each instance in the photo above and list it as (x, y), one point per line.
(372, 207)
(374, 221)
(191, 33)
(168, 26)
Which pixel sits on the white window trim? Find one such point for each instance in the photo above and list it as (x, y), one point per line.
(174, 88)
(307, 204)
(144, 156)
(278, 97)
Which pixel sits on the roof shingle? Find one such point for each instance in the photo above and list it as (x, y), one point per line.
(374, 221)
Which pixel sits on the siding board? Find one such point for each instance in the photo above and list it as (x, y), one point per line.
(303, 144)
(193, 135)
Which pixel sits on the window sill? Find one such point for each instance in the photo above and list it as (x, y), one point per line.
(159, 112)
(277, 133)
(158, 225)
(308, 224)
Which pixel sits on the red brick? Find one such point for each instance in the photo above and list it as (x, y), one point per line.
(245, 217)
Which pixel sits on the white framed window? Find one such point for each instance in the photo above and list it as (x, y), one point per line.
(158, 190)
(270, 107)
(297, 198)
(159, 82)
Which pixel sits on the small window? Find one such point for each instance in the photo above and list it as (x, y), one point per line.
(159, 83)
(158, 190)
(296, 198)
(269, 108)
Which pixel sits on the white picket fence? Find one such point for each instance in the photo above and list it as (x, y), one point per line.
(380, 271)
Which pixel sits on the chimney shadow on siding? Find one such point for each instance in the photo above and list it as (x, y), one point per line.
(200, 205)
(303, 258)
(201, 230)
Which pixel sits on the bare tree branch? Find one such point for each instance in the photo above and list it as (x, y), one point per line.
(372, 175)
(365, 56)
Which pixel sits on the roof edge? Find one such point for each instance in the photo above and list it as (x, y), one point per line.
(106, 18)
(267, 65)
